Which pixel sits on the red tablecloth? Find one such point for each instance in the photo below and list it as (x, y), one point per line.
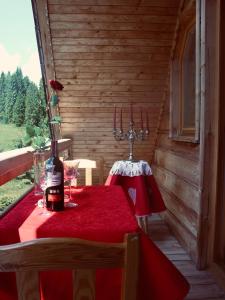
(139, 184)
(98, 217)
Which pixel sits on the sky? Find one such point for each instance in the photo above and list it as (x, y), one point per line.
(18, 44)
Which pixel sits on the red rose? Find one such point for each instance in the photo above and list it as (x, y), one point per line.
(55, 85)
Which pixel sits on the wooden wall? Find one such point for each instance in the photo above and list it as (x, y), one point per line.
(114, 52)
(106, 53)
(176, 169)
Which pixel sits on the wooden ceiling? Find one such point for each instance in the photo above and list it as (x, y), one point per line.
(106, 53)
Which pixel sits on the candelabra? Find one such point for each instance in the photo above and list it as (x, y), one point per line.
(131, 135)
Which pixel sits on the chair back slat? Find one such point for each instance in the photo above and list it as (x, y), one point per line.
(27, 258)
(27, 285)
(130, 274)
(84, 284)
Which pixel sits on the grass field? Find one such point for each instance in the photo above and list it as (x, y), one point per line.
(8, 135)
(13, 189)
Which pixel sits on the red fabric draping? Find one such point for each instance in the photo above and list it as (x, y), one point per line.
(148, 197)
(103, 214)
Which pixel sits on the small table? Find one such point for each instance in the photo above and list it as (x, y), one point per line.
(138, 182)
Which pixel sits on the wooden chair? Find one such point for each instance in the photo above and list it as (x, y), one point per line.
(89, 165)
(29, 258)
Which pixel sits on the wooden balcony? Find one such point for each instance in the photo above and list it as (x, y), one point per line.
(203, 284)
(15, 162)
(110, 52)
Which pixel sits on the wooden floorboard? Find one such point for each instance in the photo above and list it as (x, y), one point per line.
(203, 285)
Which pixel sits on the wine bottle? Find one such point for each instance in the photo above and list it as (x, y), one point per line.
(55, 180)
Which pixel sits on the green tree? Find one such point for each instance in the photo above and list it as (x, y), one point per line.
(8, 96)
(21, 101)
(19, 104)
(20, 81)
(26, 83)
(19, 110)
(2, 95)
(32, 106)
(15, 86)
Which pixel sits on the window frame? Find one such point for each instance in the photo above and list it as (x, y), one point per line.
(177, 131)
(185, 131)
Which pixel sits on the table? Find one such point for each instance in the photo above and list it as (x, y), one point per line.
(139, 183)
(98, 217)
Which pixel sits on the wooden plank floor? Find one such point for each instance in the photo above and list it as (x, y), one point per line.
(203, 285)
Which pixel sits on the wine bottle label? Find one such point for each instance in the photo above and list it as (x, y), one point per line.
(54, 179)
(54, 197)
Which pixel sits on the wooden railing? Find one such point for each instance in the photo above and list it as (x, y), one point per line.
(15, 162)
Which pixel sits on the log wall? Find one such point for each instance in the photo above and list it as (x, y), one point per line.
(106, 53)
(114, 52)
(176, 168)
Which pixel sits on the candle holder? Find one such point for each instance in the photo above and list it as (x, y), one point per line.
(132, 134)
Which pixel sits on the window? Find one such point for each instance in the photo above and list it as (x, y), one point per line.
(184, 99)
(187, 98)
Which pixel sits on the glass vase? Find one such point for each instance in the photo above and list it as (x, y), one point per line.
(39, 172)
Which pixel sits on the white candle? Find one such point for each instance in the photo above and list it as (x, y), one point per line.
(114, 119)
(121, 119)
(131, 113)
(147, 121)
(141, 119)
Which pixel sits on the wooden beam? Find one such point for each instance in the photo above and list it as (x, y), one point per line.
(40, 9)
(209, 125)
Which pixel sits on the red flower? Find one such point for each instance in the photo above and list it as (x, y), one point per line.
(55, 85)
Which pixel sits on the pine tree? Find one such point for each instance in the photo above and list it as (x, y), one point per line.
(21, 101)
(8, 99)
(19, 104)
(26, 83)
(20, 82)
(2, 95)
(19, 110)
(33, 106)
(15, 87)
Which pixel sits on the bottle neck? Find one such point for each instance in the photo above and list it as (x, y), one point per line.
(54, 148)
